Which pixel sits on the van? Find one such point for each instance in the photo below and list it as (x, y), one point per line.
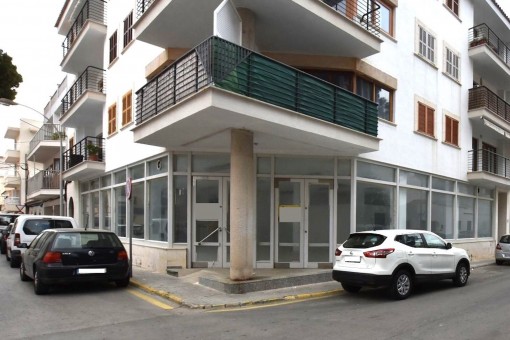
(26, 228)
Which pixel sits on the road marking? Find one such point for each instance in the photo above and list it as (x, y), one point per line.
(150, 299)
(272, 304)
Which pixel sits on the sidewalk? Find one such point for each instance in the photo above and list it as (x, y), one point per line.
(186, 290)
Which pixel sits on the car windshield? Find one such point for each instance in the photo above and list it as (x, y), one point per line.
(36, 226)
(505, 239)
(86, 240)
(364, 240)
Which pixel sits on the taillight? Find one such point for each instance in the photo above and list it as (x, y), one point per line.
(122, 255)
(379, 253)
(52, 257)
(338, 252)
(17, 239)
(498, 247)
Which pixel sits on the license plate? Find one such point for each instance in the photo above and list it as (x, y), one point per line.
(356, 259)
(91, 270)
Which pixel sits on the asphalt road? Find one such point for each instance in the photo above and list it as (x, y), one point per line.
(435, 311)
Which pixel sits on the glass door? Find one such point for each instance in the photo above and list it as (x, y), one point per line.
(211, 221)
(319, 219)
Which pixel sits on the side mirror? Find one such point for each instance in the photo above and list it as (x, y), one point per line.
(448, 245)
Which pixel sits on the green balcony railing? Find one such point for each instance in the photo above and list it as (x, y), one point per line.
(220, 63)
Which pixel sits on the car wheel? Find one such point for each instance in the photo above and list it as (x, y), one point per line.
(461, 275)
(39, 287)
(499, 262)
(122, 283)
(14, 263)
(350, 288)
(22, 274)
(401, 285)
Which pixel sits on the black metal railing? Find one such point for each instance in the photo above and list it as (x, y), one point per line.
(483, 98)
(92, 79)
(46, 132)
(94, 10)
(87, 149)
(488, 161)
(142, 6)
(364, 13)
(220, 63)
(43, 180)
(483, 35)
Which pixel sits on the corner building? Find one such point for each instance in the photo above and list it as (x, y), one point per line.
(260, 133)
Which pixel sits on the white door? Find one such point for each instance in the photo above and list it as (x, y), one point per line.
(211, 221)
(303, 235)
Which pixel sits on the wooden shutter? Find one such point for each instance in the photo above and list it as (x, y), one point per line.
(112, 119)
(421, 117)
(430, 121)
(455, 132)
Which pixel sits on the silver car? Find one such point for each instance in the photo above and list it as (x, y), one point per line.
(503, 250)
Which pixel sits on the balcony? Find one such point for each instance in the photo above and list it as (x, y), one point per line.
(84, 43)
(12, 132)
(12, 182)
(84, 160)
(82, 106)
(219, 86)
(284, 26)
(490, 55)
(11, 156)
(46, 143)
(489, 112)
(43, 185)
(488, 169)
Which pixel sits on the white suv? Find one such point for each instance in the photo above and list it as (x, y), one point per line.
(397, 259)
(26, 228)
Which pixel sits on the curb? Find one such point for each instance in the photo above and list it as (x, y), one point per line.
(180, 301)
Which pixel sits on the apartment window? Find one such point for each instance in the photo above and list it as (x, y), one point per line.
(112, 119)
(425, 119)
(383, 98)
(453, 5)
(113, 46)
(128, 29)
(385, 17)
(451, 131)
(127, 108)
(452, 63)
(426, 44)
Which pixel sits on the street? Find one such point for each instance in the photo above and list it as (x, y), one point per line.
(478, 311)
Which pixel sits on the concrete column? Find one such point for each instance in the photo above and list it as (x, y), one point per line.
(248, 28)
(242, 205)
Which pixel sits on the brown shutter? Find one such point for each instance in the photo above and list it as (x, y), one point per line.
(430, 121)
(448, 130)
(421, 117)
(455, 132)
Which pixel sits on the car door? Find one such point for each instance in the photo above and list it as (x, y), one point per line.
(418, 255)
(32, 252)
(443, 259)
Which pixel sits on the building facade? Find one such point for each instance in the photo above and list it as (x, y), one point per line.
(259, 134)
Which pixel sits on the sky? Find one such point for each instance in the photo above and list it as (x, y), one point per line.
(28, 34)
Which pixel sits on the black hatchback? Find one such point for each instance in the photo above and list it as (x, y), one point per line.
(74, 255)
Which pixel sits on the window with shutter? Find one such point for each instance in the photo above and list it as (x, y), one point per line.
(451, 131)
(126, 108)
(425, 119)
(112, 119)
(113, 46)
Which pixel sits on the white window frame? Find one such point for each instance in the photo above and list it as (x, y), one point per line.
(426, 43)
(451, 63)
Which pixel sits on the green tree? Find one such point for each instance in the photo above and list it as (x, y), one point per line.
(9, 77)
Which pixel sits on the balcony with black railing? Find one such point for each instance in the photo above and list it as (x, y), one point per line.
(219, 64)
(83, 103)
(83, 44)
(490, 54)
(84, 159)
(44, 184)
(349, 28)
(45, 143)
(483, 103)
(488, 168)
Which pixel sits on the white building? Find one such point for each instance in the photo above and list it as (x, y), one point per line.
(246, 133)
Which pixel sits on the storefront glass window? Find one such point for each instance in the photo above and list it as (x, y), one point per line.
(466, 210)
(442, 215)
(374, 171)
(375, 204)
(137, 210)
(107, 211)
(180, 209)
(157, 166)
(158, 209)
(414, 179)
(304, 166)
(343, 211)
(120, 210)
(413, 209)
(95, 210)
(263, 219)
(484, 218)
(216, 163)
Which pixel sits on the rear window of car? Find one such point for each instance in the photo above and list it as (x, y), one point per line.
(36, 226)
(505, 239)
(364, 240)
(6, 219)
(86, 240)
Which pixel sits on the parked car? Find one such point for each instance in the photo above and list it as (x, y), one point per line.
(6, 219)
(502, 253)
(3, 238)
(26, 228)
(74, 255)
(398, 259)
